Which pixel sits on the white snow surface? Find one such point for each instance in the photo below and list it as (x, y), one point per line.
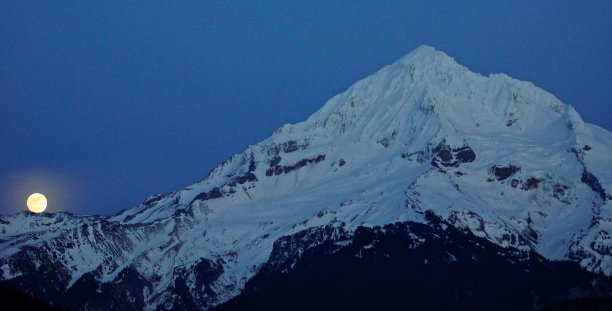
(377, 139)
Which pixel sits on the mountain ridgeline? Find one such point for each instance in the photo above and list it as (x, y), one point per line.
(424, 185)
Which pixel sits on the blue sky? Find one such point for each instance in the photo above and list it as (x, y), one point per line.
(103, 103)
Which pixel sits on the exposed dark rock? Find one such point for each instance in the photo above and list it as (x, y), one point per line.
(579, 153)
(275, 160)
(559, 190)
(289, 146)
(252, 165)
(458, 220)
(514, 183)
(302, 163)
(503, 172)
(511, 119)
(292, 146)
(215, 193)
(152, 199)
(592, 181)
(447, 157)
(277, 170)
(341, 162)
(465, 154)
(246, 177)
(273, 164)
(531, 234)
(531, 183)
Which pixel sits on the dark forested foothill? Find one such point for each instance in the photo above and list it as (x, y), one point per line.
(410, 266)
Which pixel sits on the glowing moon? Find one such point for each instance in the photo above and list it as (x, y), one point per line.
(37, 203)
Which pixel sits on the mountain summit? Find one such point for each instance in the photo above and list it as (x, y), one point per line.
(423, 138)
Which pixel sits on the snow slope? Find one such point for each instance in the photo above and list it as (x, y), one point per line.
(493, 155)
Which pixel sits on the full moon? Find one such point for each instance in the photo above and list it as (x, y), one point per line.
(37, 203)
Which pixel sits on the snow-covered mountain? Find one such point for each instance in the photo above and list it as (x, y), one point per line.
(494, 156)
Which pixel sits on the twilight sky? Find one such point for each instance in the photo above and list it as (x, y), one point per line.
(103, 103)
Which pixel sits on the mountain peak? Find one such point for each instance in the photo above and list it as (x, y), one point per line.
(427, 95)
